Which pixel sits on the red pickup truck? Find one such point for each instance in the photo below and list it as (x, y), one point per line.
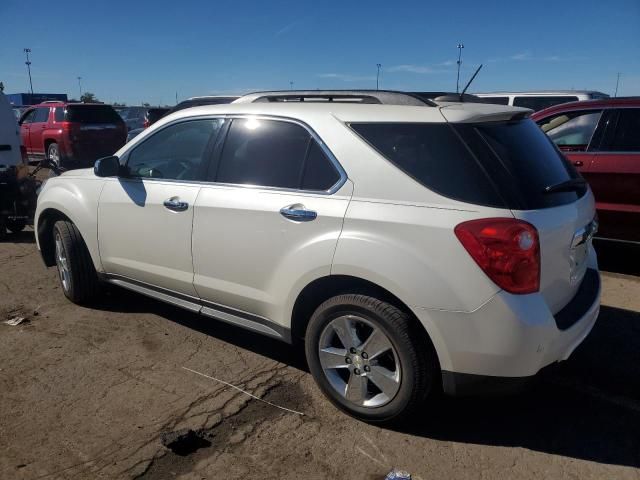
(72, 135)
(602, 140)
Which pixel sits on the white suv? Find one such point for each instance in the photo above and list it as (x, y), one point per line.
(413, 245)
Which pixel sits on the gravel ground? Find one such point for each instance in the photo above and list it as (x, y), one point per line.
(103, 393)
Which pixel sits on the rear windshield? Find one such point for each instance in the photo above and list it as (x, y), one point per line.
(540, 103)
(500, 164)
(92, 114)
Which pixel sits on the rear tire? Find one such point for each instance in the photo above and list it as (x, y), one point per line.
(78, 276)
(369, 358)
(53, 153)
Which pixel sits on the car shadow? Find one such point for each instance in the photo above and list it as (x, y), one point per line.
(586, 408)
(618, 257)
(26, 236)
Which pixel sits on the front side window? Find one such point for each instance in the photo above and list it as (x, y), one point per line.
(626, 137)
(571, 131)
(176, 152)
(42, 115)
(28, 117)
(273, 153)
(542, 102)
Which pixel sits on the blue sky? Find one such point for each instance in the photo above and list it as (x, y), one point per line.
(138, 51)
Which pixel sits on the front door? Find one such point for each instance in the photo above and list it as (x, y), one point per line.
(25, 127)
(36, 130)
(145, 216)
(270, 222)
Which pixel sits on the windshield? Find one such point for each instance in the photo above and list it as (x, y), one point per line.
(91, 114)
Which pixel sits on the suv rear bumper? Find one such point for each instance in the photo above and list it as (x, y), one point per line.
(500, 346)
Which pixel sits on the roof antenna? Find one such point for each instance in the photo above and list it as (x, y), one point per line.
(469, 83)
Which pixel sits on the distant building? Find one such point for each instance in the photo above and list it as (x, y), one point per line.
(24, 99)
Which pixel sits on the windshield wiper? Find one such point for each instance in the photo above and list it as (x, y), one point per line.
(573, 185)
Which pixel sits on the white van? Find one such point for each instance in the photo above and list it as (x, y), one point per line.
(541, 99)
(10, 155)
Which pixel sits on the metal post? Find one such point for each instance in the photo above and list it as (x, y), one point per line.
(27, 51)
(460, 47)
(291, 85)
(379, 65)
(80, 87)
(617, 83)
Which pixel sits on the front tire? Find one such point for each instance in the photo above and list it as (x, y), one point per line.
(369, 358)
(77, 274)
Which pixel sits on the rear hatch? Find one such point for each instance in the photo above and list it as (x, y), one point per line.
(96, 131)
(541, 187)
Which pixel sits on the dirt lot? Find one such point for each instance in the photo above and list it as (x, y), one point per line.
(98, 393)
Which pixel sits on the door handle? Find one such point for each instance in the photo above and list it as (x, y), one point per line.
(578, 163)
(298, 213)
(175, 204)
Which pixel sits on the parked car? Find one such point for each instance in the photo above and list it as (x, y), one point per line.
(412, 245)
(602, 140)
(17, 191)
(72, 135)
(541, 99)
(152, 115)
(141, 117)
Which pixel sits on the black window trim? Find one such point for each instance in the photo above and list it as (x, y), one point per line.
(213, 152)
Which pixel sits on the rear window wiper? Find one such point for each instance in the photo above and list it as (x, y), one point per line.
(573, 185)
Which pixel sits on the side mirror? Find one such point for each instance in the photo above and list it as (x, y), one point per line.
(107, 167)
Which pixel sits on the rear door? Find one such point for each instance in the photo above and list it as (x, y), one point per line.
(145, 217)
(574, 132)
(36, 130)
(270, 222)
(614, 176)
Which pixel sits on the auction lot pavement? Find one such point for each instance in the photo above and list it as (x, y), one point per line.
(97, 393)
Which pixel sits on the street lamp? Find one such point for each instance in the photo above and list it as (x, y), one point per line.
(617, 83)
(27, 51)
(460, 47)
(379, 65)
(80, 87)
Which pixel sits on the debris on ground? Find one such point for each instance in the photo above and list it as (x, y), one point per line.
(398, 475)
(16, 321)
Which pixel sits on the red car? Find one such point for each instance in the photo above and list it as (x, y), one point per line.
(73, 135)
(602, 140)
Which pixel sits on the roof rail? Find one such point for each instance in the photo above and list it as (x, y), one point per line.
(381, 97)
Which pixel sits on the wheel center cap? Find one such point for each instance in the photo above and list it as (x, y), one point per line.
(358, 362)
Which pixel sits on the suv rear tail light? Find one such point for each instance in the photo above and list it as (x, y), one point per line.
(507, 251)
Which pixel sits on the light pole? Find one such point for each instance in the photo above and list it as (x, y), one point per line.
(379, 65)
(460, 47)
(80, 87)
(27, 51)
(617, 83)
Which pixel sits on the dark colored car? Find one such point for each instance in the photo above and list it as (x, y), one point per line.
(72, 135)
(601, 138)
(141, 117)
(192, 102)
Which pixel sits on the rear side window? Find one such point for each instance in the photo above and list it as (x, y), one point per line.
(572, 131)
(273, 153)
(496, 100)
(433, 155)
(42, 115)
(59, 114)
(92, 114)
(540, 103)
(626, 136)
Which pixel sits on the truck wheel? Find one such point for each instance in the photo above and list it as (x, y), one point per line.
(53, 153)
(77, 274)
(15, 226)
(369, 358)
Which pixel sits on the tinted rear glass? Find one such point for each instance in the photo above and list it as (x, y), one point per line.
(496, 100)
(433, 155)
(92, 114)
(540, 103)
(502, 164)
